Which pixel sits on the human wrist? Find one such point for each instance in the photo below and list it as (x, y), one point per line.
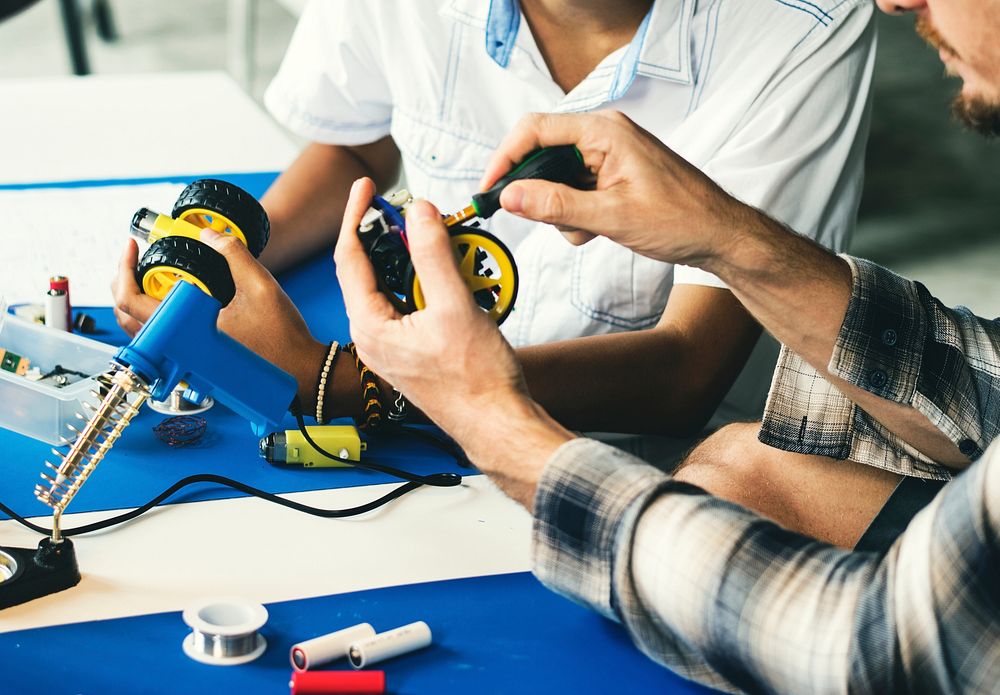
(743, 246)
(305, 367)
(343, 396)
(510, 440)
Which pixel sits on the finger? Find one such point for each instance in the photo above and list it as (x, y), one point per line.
(348, 244)
(127, 323)
(124, 282)
(129, 299)
(128, 260)
(362, 298)
(533, 131)
(243, 266)
(544, 201)
(434, 259)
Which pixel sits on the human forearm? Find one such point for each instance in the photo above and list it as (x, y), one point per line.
(724, 597)
(665, 380)
(510, 442)
(703, 586)
(795, 288)
(306, 202)
(800, 293)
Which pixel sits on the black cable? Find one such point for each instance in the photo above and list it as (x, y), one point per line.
(413, 482)
(434, 480)
(226, 482)
(444, 443)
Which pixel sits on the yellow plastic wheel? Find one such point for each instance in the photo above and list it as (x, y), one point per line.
(487, 268)
(175, 258)
(227, 209)
(158, 280)
(201, 217)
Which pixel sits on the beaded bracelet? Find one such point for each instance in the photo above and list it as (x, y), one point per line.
(371, 394)
(331, 358)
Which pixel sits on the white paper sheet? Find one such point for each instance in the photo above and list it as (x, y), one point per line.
(76, 232)
(181, 553)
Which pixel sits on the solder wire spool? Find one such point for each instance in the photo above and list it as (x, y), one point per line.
(225, 632)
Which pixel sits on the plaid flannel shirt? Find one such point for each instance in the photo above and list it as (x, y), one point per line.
(726, 598)
(899, 343)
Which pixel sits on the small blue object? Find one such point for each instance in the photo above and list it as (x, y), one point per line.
(181, 342)
(391, 214)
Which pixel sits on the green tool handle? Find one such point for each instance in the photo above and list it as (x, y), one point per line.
(560, 164)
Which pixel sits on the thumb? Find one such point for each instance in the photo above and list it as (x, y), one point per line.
(433, 257)
(556, 204)
(241, 263)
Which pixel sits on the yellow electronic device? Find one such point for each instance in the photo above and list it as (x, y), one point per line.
(290, 448)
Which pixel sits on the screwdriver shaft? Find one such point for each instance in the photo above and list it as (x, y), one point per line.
(461, 216)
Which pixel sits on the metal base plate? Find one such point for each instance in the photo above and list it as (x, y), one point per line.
(177, 404)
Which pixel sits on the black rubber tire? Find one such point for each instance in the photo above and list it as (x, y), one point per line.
(231, 201)
(194, 257)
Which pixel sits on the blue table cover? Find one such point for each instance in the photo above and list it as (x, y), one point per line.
(503, 634)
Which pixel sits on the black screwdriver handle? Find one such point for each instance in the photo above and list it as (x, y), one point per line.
(560, 164)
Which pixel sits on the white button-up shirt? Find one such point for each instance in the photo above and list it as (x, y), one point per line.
(768, 97)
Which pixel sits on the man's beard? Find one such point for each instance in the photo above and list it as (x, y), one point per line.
(978, 115)
(975, 113)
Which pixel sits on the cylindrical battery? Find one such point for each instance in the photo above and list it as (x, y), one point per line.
(61, 282)
(327, 648)
(337, 682)
(55, 309)
(389, 644)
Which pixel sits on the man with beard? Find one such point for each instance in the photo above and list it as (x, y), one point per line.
(702, 585)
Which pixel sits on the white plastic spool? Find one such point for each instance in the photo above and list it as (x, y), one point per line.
(224, 632)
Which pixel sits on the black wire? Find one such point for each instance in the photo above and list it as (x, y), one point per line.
(413, 482)
(445, 444)
(226, 482)
(435, 480)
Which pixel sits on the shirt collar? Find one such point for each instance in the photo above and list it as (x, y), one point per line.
(661, 47)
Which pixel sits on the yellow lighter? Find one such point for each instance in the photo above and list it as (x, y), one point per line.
(291, 448)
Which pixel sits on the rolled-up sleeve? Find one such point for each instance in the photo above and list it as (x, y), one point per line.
(899, 343)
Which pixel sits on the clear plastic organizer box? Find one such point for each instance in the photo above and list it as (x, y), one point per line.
(39, 410)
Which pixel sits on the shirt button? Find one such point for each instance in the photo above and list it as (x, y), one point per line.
(967, 447)
(877, 378)
(889, 337)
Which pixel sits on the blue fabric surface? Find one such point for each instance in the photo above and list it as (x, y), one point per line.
(140, 466)
(500, 634)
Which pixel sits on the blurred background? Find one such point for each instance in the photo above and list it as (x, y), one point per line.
(931, 208)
